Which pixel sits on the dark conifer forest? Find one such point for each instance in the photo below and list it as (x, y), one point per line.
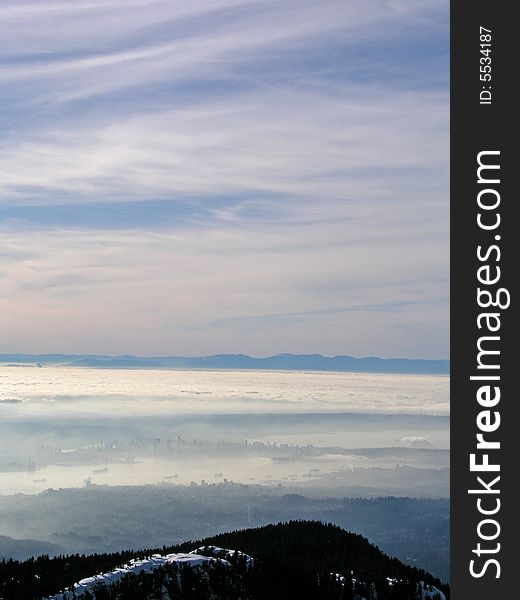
(297, 559)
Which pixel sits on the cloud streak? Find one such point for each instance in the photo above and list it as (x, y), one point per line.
(280, 142)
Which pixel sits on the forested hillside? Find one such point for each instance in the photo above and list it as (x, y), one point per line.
(298, 559)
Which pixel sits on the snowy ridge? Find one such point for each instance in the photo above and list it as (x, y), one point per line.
(201, 558)
(224, 553)
(430, 592)
(136, 566)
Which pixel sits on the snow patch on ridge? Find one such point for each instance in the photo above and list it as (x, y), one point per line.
(136, 566)
(224, 553)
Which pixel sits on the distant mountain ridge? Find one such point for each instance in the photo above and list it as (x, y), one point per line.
(278, 362)
(21, 549)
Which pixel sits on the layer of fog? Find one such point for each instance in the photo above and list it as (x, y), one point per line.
(68, 427)
(76, 390)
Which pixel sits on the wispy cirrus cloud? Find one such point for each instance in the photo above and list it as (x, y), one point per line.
(170, 171)
(288, 142)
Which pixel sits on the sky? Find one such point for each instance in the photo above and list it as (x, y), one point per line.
(217, 176)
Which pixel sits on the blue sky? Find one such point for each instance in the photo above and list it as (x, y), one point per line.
(225, 176)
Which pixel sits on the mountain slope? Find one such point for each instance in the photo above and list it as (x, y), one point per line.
(295, 560)
(22, 549)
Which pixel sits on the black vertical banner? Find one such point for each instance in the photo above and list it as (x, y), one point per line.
(484, 248)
